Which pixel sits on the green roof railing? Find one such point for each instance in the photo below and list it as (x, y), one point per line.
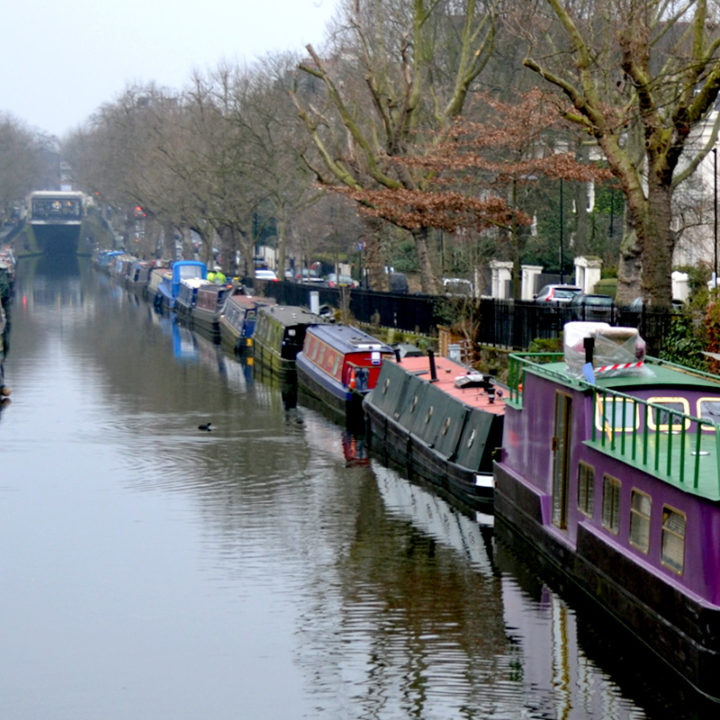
(666, 442)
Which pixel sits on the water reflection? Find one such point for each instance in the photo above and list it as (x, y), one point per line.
(161, 571)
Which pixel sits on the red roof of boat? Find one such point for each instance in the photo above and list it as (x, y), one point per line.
(446, 371)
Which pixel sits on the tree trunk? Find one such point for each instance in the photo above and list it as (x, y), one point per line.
(428, 278)
(657, 245)
(629, 269)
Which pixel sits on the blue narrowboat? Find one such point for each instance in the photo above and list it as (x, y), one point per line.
(338, 366)
(168, 287)
(441, 421)
(610, 476)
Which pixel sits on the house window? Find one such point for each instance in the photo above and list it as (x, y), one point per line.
(586, 485)
(611, 504)
(673, 539)
(640, 506)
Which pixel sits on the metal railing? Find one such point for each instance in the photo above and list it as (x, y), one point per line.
(656, 437)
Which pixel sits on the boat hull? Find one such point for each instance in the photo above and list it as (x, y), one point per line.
(683, 632)
(440, 437)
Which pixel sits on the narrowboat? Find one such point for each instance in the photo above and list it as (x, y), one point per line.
(140, 276)
(279, 335)
(158, 276)
(338, 366)
(436, 418)
(609, 477)
(169, 286)
(208, 309)
(237, 322)
(187, 298)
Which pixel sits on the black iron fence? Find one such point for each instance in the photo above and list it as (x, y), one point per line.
(503, 323)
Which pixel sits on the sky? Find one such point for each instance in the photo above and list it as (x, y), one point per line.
(60, 60)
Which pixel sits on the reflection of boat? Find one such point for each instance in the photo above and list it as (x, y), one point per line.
(614, 480)
(279, 335)
(470, 536)
(338, 366)
(426, 423)
(184, 343)
(237, 322)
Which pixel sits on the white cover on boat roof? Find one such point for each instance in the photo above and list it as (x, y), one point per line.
(617, 350)
(195, 282)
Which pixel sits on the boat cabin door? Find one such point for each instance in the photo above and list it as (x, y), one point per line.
(561, 459)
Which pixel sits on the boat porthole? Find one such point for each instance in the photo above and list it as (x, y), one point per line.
(414, 403)
(386, 385)
(430, 411)
(471, 439)
(446, 426)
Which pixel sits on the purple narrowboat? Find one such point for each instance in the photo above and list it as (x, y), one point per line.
(610, 476)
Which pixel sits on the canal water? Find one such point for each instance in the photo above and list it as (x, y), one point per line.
(266, 569)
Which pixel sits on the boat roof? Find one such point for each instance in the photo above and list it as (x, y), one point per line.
(447, 371)
(654, 373)
(348, 339)
(682, 452)
(250, 301)
(290, 315)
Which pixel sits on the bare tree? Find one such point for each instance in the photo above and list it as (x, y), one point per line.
(639, 76)
(397, 67)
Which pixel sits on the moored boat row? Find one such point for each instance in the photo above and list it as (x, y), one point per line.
(599, 464)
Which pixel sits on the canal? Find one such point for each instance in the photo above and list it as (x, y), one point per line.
(267, 569)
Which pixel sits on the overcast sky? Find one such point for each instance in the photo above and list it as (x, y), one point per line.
(61, 59)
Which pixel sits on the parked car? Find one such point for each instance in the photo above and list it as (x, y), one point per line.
(264, 274)
(457, 287)
(556, 294)
(309, 276)
(334, 280)
(595, 308)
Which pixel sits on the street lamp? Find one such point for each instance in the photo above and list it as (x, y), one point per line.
(715, 219)
(562, 259)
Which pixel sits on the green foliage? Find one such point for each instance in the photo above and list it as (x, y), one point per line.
(404, 257)
(606, 286)
(686, 339)
(546, 345)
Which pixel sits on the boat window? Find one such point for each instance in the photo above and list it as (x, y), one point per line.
(446, 426)
(669, 416)
(375, 357)
(430, 412)
(471, 439)
(386, 385)
(586, 486)
(414, 403)
(640, 506)
(708, 408)
(335, 365)
(616, 413)
(611, 503)
(673, 539)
